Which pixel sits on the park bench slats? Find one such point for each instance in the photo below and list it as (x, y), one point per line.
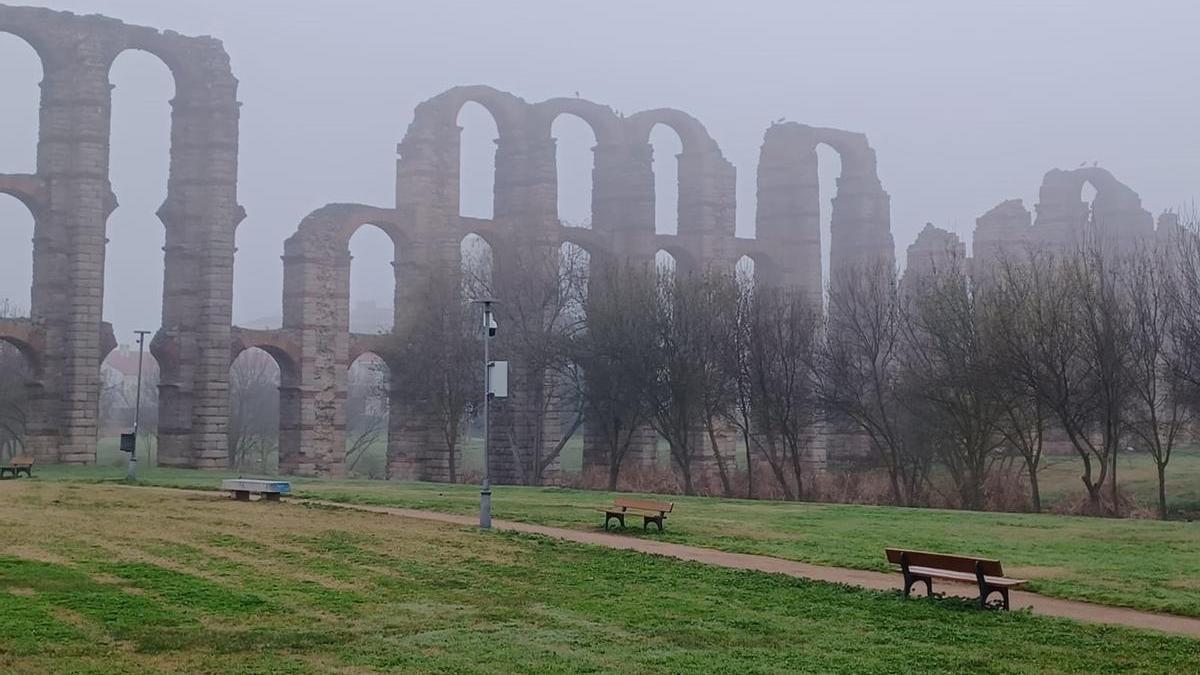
(924, 567)
(21, 464)
(650, 511)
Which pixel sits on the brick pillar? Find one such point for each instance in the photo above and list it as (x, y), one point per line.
(201, 214)
(707, 206)
(315, 297)
(427, 193)
(861, 222)
(623, 207)
(47, 311)
(628, 172)
(788, 211)
(73, 159)
(524, 428)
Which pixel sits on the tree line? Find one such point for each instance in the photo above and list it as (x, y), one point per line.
(958, 375)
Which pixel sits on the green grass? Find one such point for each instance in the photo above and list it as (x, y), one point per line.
(1136, 476)
(134, 581)
(1134, 563)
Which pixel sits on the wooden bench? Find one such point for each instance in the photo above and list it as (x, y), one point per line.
(923, 566)
(651, 512)
(17, 466)
(242, 488)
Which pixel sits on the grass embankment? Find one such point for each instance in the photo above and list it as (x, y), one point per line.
(1133, 563)
(103, 579)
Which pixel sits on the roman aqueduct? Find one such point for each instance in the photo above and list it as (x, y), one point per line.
(65, 339)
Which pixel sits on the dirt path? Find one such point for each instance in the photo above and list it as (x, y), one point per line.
(1038, 604)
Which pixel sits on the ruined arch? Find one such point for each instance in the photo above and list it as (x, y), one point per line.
(692, 134)
(478, 172)
(18, 113)
(606, 126)
(788, 212)
(200, 213)
(15, 269)
(575, 171)
(139, 160)
(1115, 220)
(665, 164)
(23, 336)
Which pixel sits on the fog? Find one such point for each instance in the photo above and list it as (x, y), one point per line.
(966, 104)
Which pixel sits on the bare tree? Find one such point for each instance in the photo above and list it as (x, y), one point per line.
(1161, 410)
(776, 398)
(718, 297)
(435, 355)
(859, 373)
(614, 356)
(541, 296)
(689, 393)
(1068, 342)
(366, 410)
(254, 410)
(14, 374)
(952, 378)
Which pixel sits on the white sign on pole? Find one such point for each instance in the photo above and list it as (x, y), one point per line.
(498, 379)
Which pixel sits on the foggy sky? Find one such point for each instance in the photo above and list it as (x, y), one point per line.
(966, 104)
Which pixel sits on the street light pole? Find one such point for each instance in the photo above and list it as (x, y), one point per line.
(485, 486)
(137, 406)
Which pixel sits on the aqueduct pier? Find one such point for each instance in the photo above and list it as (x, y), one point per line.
(70, 197)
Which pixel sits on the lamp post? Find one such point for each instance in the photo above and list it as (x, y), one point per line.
(137, 406)
(485, 485)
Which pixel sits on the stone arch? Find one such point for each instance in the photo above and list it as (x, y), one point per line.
(139, 161)
(1114, 220)
(477, 262)
(281, 347)
(368, 414)
(15, 260)
(606, 126)
(26, 339)
(758, 268)
(508, 111)
(28, 189)
(317, 259)
(692, 134)
(707, 181)
(788, 212)
(316, 297)
(429, 170)
(24, 115)
(371, 294)
(595, 178)
(478, 161)
(253, 372)
(200, 214)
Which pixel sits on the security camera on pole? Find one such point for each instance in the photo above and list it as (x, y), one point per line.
(495, 385)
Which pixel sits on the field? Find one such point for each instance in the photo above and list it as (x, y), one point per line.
(1135, 563)
(1059, 476)
(110, 579)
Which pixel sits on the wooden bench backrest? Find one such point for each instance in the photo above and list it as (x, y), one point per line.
(22, 461)
(642, 504)
(943, 561)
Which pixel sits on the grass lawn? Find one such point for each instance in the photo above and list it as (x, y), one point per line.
(1136, 476)
(1135, 563)
(104, 579)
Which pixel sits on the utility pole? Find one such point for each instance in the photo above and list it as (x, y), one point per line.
(137, 406)
(485, 485)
